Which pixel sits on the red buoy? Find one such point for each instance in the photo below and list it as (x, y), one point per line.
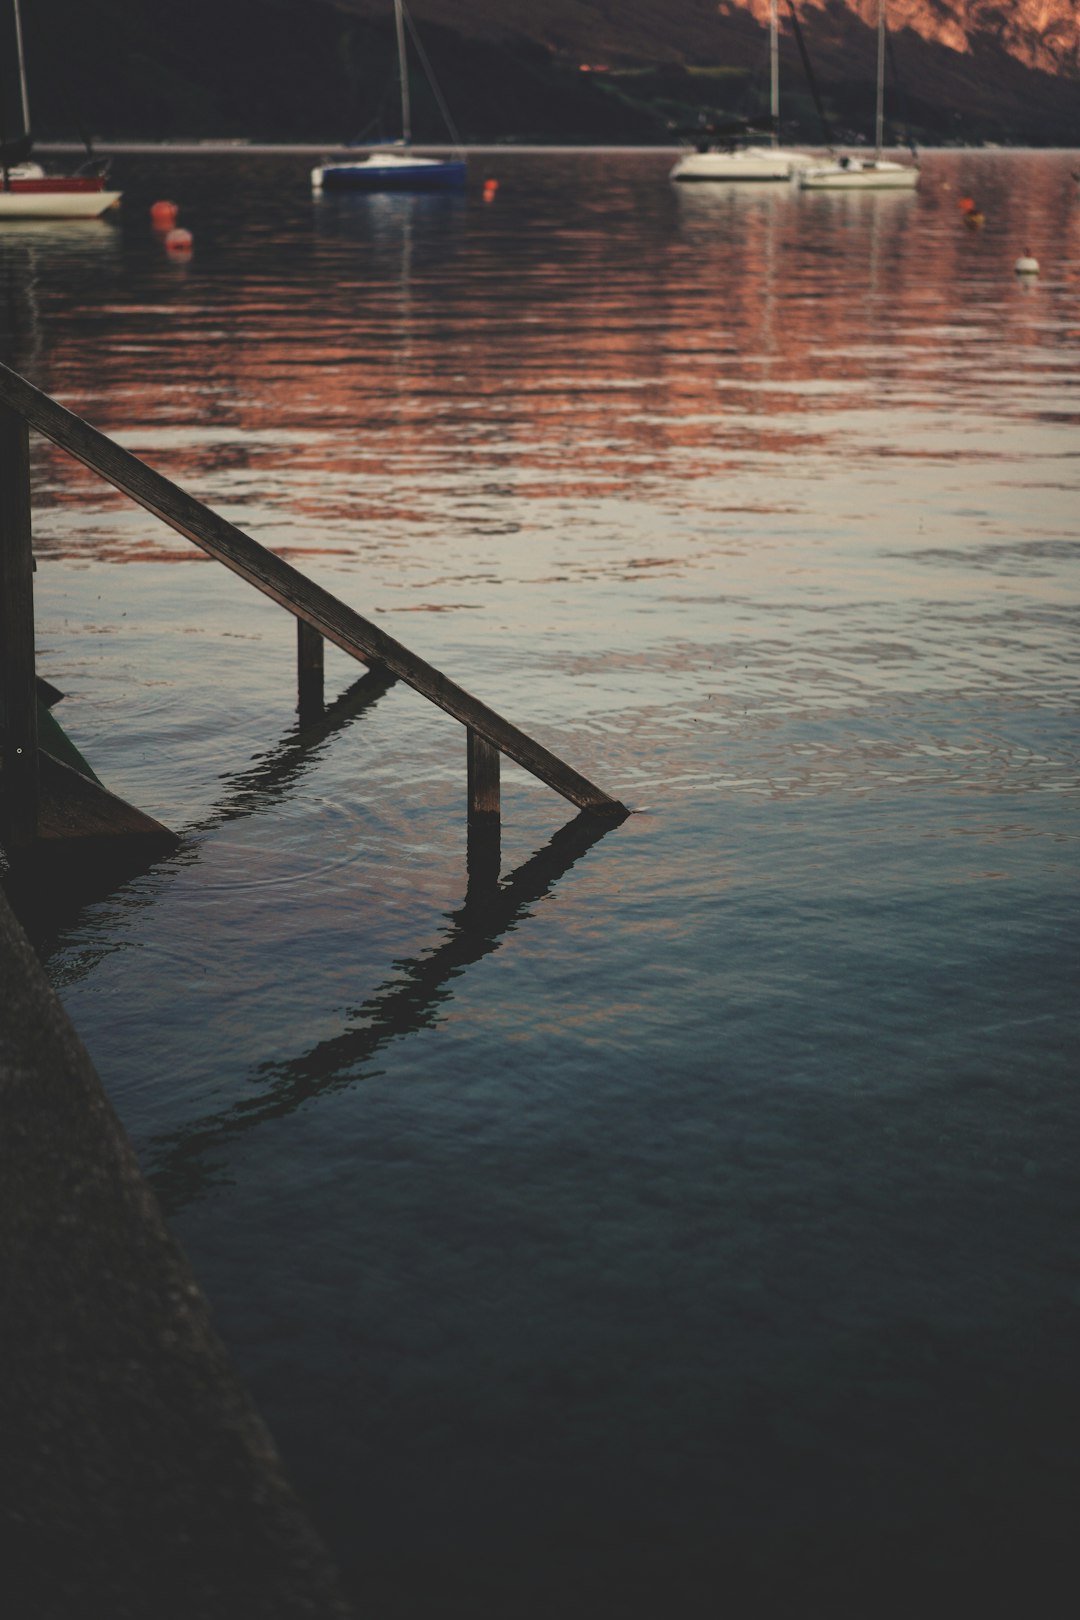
(179, 243)
(163, 214)
(490, 188)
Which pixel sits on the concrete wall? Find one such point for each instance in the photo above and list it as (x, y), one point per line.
(136, 1478)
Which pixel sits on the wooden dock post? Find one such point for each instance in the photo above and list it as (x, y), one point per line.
(18, 693)
(483, 770)
(484, 854)
(309, 671)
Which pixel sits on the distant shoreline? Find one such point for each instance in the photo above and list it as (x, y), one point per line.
(227, 148)
(243, 148)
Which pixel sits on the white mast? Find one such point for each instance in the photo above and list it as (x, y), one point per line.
(403, 73)
(22, 69)
(880, 123)
(774, 70)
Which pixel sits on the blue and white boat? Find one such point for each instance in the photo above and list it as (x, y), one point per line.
(392, 169)
(396, 167)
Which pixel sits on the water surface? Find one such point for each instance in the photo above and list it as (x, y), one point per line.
(689, 1220)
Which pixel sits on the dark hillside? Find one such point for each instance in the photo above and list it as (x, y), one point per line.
(323, 71)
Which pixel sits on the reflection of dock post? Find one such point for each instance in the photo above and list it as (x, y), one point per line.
(309, 671)
(18, 694)
(484, 844)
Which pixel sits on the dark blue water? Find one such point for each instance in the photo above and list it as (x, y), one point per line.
(685, 1224)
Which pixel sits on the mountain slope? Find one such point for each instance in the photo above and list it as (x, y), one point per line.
(1042, 34)
(323, 70)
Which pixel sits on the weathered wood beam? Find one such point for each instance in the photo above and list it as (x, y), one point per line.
(309, 670)
(76, 808)
(483, 774)
(18, 685)
(277, 579)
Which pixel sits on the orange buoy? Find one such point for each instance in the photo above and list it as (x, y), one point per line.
(179, 243)
(163, 214)
(490, 188)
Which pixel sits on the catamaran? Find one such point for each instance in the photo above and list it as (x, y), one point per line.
(26, 191)
(397, 168)
(721, 156)
(865, 174)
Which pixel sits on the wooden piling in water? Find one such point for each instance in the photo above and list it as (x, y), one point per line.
(483, 778)
(309, 671)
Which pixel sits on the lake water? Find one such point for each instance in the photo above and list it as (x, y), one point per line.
(688, 1225)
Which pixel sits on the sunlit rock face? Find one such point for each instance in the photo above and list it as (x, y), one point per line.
(1042, 34)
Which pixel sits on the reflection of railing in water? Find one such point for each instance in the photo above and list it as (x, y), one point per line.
(319, 616)
(271, 776)
(48, 894)
(407, 1002)
(403, 1005)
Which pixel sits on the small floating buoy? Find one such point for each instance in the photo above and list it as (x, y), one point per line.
(179, 243)
(1026, 264)
(163, 214)
(490, 188)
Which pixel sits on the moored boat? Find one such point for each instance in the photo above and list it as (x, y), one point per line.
(26, 191)
(859, 174)
(875, 173)
(740, 163)
(725, 153)
(395, 168)
(29, 193)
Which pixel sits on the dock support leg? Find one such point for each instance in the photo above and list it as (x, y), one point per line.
(484, 842)
(18, 695)
(483, 780)
(309, 670)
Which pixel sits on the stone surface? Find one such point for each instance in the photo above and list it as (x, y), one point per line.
(136, 1478)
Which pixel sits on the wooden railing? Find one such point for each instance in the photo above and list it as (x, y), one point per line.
(318, 613)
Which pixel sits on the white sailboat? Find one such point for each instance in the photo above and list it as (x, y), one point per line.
(26, 191)
(729, 160)
(398, 168)
(875, 173)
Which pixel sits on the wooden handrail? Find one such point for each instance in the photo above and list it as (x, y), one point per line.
(286, 585)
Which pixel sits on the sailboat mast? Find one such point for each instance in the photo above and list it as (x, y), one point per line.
(24, 97)
(774, 70)
(403, 73)
(879, 127)
(14, 101)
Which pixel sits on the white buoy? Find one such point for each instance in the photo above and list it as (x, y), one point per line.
(1026, 264)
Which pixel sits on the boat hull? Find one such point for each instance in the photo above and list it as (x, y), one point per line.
(55, 202)
(429, 174)
(749, 163)
(855, 176)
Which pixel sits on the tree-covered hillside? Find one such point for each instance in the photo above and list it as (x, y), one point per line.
(318, 70)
